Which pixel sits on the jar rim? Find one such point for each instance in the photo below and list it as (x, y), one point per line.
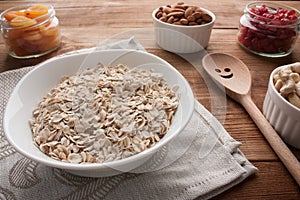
(272, 6)
(5, 24)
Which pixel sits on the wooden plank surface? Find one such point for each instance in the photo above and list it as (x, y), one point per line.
(90, 22)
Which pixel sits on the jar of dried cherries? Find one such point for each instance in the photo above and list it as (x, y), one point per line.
(30, 31)
(269, 29)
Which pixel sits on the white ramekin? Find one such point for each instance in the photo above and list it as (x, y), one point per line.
(182, 39)
(282, 115)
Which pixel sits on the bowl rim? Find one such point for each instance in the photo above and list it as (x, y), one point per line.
(272, 87)
(115, 164)
(182, 26)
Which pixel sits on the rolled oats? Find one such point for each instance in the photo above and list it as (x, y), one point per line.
(103, 114)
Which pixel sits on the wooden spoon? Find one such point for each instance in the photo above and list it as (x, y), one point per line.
(231, 73)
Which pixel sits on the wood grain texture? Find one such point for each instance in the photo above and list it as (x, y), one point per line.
(272, 183)
(87, 23)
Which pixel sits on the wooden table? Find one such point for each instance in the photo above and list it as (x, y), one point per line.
(87, 23)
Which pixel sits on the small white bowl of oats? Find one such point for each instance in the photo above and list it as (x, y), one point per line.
(97, 113)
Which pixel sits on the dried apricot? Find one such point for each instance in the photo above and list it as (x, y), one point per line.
(12, 14)
(22, 21)
(49, 43)
(36, 11)
(33, 36)
(14, 34)
(50, 31)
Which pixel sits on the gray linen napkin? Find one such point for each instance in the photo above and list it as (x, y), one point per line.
(211, 164)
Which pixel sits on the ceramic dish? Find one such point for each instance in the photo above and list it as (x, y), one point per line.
(283, 116)
(182, 39)
(38, 82)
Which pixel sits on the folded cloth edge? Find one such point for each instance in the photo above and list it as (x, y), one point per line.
(231, 145)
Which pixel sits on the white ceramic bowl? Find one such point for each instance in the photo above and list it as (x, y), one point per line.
(34, 85)
(282, 115)
(182, 39)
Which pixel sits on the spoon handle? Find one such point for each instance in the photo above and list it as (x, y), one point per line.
(283, 152)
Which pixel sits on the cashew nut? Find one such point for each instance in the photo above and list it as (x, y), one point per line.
(287, 83)
(295, 76)
(294, 99)
(288, 87)
(296, 67)
(278, 84)
(298, 89)
(284, 74)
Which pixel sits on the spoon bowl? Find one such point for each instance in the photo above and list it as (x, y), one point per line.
(228, 71)
(231, 73)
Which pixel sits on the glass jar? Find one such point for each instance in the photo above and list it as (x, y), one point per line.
(30, 31)
(269, 29)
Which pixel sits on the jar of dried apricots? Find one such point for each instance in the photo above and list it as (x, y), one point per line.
(30, 31)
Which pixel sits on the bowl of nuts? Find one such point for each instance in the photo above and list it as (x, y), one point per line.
(98, 113)
(182, 28)
(282, 102)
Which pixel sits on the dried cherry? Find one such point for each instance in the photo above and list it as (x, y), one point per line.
(264, 29)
